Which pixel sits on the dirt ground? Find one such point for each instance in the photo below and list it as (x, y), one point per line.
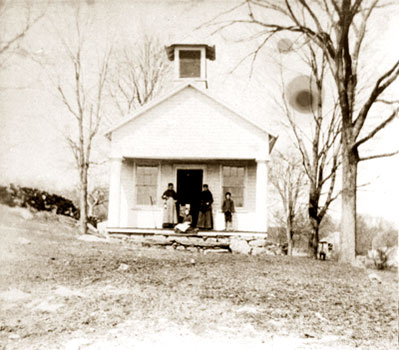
(58, 292)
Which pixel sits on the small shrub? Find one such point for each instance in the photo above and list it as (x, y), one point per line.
(27, 197)
(379, 257)
(93, 220)
(6, 196)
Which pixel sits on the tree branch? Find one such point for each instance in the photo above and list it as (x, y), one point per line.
(66, 103)
(377, 129)
(383, 155)
(360, 35)
(19, 36)
(387, 102)
(382, 83)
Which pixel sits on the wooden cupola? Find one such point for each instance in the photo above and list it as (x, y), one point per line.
(190, 61)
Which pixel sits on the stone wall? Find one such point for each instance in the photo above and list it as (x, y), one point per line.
(249, 244)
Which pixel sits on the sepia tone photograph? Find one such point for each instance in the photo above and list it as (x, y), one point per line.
(199, 174)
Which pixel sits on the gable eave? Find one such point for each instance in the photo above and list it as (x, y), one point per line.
(234, 111)
(145, 108)
(160, 100)
(209, 50)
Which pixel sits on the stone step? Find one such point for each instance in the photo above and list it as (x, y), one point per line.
(235, 242)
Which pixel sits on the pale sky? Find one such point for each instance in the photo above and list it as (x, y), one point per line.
(33, 152)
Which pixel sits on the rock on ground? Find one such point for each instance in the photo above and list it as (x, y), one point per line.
(67, 292)
(239, 246)
(258, 251)
(393, 257)
(102, 227)
(258, 243)
(13, 295)
(208, 251)
(123, 267)
(22, 240)
(90, 238)
(22, 212)
(48, 306)
(375, 277)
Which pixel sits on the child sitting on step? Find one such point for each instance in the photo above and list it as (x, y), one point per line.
(185, 226)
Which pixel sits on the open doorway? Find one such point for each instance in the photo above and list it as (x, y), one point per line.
(189, 187)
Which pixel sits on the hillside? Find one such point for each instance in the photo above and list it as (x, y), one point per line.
(58, 292)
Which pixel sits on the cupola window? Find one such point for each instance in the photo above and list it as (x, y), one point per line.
(190, 63)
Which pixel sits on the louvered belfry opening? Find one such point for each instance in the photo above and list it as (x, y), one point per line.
(189, 63)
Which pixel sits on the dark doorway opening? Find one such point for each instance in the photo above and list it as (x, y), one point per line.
(189, 187)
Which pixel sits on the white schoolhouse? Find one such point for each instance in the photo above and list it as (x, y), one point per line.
(188, 138)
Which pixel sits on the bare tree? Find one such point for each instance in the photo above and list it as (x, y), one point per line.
(138, 74)
(288, 178)
(14, 29)
(339, 29)
(319, 148)
(82, 94)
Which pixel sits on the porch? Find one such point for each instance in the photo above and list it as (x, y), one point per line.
(137, 186)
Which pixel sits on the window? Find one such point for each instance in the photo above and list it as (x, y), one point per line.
(146, 184)
(233, 182)
(190, 63)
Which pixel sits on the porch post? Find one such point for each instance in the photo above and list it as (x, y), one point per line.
(114, 193)
(261, 195)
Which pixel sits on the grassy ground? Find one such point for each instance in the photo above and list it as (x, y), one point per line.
(57, 292)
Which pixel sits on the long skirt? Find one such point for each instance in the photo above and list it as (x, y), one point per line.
(205, 219)
(169, 213)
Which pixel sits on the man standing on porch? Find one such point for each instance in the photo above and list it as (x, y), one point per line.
(205, 218)
(169, 212)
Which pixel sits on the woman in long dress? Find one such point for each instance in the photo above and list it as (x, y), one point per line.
(205, 218)
(169, 211)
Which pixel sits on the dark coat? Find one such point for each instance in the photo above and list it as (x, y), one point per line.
(206, 200)
(228, 206)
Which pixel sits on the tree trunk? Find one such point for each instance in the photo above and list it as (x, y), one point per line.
(347, 249)
(314, 238)
(314, 218)
(289, 241)
(289, 233)
(290, 246)
(83, 200)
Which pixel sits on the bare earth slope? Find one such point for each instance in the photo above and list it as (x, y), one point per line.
(58, 292)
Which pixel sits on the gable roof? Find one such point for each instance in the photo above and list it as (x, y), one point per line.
(158, 101)
(209, 50)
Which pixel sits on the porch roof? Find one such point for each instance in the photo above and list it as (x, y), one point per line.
(191, 159)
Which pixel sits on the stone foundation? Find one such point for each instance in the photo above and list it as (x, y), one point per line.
(207, 242)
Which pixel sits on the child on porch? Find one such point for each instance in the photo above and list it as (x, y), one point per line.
(185, 226)
(228, 210)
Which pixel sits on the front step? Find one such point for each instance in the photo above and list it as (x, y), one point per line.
(237, 242)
